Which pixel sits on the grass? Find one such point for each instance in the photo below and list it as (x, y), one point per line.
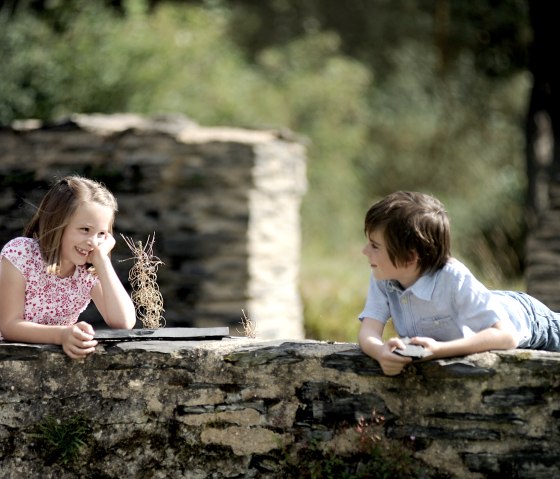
(333, 289)
(62, 440)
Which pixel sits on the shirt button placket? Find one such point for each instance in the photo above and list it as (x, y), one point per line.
(410, 327)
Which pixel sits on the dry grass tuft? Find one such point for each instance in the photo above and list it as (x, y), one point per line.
(249, 326)
(143, 279)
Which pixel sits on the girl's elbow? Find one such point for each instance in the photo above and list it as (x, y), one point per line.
(129, 321)
(122, 321)
(127, 318)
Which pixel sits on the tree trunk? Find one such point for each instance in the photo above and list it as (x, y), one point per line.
(543, 158)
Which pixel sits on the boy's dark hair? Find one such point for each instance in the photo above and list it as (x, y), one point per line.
(412, 222)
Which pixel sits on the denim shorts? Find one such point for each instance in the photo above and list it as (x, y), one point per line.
(545, 323)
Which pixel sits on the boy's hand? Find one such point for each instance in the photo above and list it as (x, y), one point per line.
(429, 344)
(414, 351)
(77, 340)
(391, 363)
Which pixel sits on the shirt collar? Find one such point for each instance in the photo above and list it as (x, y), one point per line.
(423, 288)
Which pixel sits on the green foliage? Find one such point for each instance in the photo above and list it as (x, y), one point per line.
(406, 111)
(62, 440)
(324, 96)
(432, 134)
(25, 66)
(334, 291)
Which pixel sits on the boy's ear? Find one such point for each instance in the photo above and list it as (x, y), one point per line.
(413, 258)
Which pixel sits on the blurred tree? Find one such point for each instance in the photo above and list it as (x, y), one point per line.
(543, 117)
(447, 102)
(418, 94)
(415, 94)
(543, 157)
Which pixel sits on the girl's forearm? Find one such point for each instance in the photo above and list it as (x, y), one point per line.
(118, 307)
(29, 332)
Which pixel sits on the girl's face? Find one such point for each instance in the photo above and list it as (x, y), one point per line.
(88, 227)
(382, 266)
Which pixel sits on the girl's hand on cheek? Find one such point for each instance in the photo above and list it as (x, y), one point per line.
(107, 245)
(78, 340)
(102, 250)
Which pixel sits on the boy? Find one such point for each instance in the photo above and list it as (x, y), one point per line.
(432, 297)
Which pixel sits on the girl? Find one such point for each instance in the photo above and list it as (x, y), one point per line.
(49, 276)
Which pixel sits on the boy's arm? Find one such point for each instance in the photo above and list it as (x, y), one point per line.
(371, 343)
(499, 336)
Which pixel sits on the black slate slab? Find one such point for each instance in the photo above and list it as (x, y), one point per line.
(167, 334)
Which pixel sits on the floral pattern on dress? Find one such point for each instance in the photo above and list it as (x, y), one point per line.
(49, 299)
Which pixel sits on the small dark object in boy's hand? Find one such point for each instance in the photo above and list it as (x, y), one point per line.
(414, 351)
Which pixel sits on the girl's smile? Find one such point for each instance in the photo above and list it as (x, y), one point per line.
(83, 251)
(87, 229)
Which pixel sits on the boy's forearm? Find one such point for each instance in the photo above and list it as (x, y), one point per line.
(370, 338)
(485, 340)
(370, 344)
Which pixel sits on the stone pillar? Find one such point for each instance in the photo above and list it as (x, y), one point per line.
(223, 204)
(279, 181)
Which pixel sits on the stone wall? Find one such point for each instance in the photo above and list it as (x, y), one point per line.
(242, 408)
(223, 204)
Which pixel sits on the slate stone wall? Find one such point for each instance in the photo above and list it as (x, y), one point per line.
(242, 408)
(223, 204)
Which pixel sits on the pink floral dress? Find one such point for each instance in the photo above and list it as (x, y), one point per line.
(49, 299)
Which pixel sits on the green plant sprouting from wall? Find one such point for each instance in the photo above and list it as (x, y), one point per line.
(386, 458)
(62, 440)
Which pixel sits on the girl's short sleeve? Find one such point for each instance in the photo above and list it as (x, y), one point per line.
(49, 299)
(21, 252)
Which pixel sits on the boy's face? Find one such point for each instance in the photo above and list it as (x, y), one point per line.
(382, 266)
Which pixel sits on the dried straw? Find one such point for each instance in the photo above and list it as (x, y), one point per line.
(143, 280)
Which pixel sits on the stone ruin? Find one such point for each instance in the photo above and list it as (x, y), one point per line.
(270, 409)
(223, 204)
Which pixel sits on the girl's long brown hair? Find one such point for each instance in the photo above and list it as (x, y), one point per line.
(56, 209)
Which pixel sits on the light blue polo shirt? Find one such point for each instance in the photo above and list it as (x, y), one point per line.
(448, 304)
